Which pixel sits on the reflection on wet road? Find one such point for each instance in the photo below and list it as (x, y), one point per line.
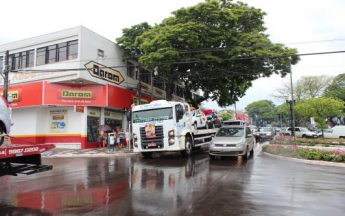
(173, 185)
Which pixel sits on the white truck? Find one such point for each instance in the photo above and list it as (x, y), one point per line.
(166, 126)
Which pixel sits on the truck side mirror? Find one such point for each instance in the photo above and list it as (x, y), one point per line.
(9, 98)
(179, 112)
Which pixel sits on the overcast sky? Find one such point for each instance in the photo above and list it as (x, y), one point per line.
(308, 25)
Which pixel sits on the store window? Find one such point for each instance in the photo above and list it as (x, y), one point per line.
(113, 119)
(93, 121)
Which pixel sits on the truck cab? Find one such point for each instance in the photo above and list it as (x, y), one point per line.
(163, 126)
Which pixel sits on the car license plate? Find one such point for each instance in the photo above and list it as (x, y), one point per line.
(225, 150)
(152, 144)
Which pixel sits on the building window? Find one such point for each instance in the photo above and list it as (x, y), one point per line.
(145, 76)
(178, 90)
(62, 51)
(100, 53)
(131, 70)
(52, 57)
(30, 60)
(41, 56)
(57, 53)
(158, 82)
(1, 63)
(72, 47)
(22, 60)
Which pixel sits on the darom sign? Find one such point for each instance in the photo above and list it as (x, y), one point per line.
(105, 73)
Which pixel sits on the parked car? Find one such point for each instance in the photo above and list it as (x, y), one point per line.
(232, 141)
(5, 119)
(199, 119)
(213, 120)
(264, 133)
(253, 128)
(301, 132)
(337, 132)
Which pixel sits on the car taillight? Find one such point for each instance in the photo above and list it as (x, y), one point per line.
(5, 101)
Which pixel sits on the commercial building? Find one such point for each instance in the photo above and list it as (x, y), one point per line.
(65, 84)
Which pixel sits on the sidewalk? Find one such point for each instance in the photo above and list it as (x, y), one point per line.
(93, 152)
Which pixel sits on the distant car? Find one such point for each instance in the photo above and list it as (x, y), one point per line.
(234, 122)
(264, 133)
(199, 119)
(336, 132)
(253, 128)
(232, 141)
(5, 119)
(301, 132)
(213, 120)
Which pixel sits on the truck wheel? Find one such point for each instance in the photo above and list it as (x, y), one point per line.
(2, 138)
(304, 136)
(188, 147)
(147, 154)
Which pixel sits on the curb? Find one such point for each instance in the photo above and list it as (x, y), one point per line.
(312, 162)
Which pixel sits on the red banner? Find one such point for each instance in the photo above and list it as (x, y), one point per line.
(57, 94)
(26, 94)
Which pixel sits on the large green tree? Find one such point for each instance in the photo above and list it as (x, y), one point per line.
(217, 46)
(263, 110)
(337, 88)
(320, 109)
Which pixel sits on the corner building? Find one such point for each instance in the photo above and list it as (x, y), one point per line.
(65, 84)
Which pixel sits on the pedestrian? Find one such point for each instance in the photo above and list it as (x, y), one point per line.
(105, 139)
(128, 137)
(111, 141)
(99, 140)
(117, 136)
(122, 137)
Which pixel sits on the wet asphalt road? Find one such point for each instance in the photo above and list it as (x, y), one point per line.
(172, 185)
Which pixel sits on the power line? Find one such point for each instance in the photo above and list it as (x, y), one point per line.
(187, 62)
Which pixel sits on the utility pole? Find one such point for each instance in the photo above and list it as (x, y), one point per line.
(292, 107)
(139, 87)
(6, 71)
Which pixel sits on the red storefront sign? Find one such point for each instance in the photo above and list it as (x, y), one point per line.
(57, 94)
(26, 94)
(120, 98)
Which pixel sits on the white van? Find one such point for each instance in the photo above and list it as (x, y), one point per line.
(337, 132)
(234, 122)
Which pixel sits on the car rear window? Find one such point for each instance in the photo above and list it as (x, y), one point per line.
(230, 132)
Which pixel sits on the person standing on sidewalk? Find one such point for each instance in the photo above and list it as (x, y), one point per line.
(122, 137)
(117, 137)
(128, 137)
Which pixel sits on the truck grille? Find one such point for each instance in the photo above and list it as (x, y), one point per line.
(152, 143)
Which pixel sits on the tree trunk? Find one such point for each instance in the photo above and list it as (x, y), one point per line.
(169, 87)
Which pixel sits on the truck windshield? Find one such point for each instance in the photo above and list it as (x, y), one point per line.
(153, 115)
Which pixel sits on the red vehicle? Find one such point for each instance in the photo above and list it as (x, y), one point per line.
(23, 159)
(213, 120)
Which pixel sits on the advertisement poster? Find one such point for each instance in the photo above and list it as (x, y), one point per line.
(150, 131)
(58, 121)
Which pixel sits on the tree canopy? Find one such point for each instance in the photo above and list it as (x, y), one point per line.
(307, 87)
(217, 46)
(264, 110)
(337, 88)
(320, 109)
